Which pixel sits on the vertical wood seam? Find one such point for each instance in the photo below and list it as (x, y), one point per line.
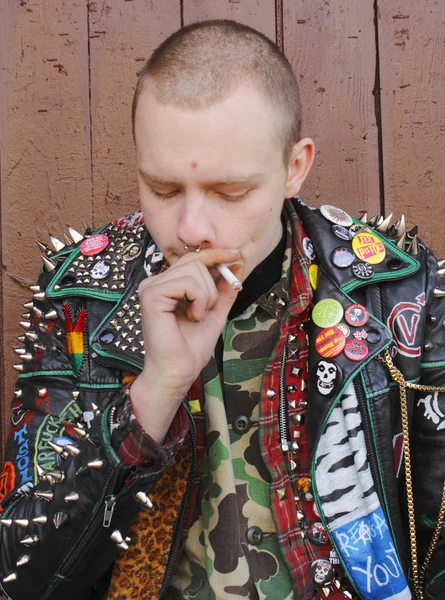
(2, 337)
(90, 115)
(279, 25)
(378, 108)
(181, 11)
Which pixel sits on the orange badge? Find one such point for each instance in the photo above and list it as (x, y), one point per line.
(7, 480)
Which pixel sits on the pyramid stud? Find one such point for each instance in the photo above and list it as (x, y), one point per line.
(6, 522)
(47, 496)
(143, 499)
(438, 293)
(95, 464)
(42, 520)
(57, 244)
(76, 236)
(49, 265)
(383, 226)
(51, 315)
(60, 518)
(9, 578)
(72, 497)
(76, 394)
(39, 296)
(30, 540)
(21, 523)
(19, 368)
(281, 494)
(23, 560)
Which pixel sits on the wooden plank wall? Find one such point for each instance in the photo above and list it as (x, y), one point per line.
(372, 86)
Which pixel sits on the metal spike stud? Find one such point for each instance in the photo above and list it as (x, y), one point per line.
(123, 545)
(21, 523)
(72, 497)
(23, 560)
(60, 518)
(77, 237)
(87, 229)
(49, 265)
(401, 242)
(95, 409)
(29, 305)
(95, 464)
(30, 540)
(116, 537)
(72, 449)
(42, 392)
(6, 522)
(27, 357)
(383, 227)
(51, 315)
(47, 496)
(373, 220)
(26, 315)
(21, 339)
(19, 368)
(11, 577)
(39, 347)
(60, 450)
(81, 433)
(413, 232)
(41, 473)
(57, 244)
(56, 476)
(34, 288)
(143, 499)
(42, 520)
(26, 325)
(37, 311)
(20, 351)
(438, 293)
(39, 296)
(43, 248)
(441, 263)
(32, 336)
(281, 494)
(441, 273)
(401, 227)
(413, 248)
(68, 240)
(18, 393)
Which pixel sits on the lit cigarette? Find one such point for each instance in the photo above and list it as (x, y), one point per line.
(230, 277)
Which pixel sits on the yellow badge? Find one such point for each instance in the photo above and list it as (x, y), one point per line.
(313, 276)
(369, 248)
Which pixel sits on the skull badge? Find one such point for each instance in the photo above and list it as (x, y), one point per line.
(100, 270)
(321, 571)
(326, 376)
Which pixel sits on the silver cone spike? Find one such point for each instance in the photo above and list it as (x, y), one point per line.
(123, 545)
(18, 393)
(35, 288)
(26, 325)
(41, 473)
(11, 577)
(379, 221)
(68, 240)
(39, 295)
(26, 315)
(81, 433)
(413, 249)
(441, 263)
(47, 496)
(383, 227)
(30, 540)
(72, 497)
(37, 311)
(116, 536)
(441, 273)
(6, 522)
(401, 242)
(77, 237)
(23, 560)
(48, 264)
(39, 347)
(76, 394)
(364, 217)
(51, 315)
(42, 520)
(21, 339)
(21, 523)
(57, 476)
(27, 357)
(95, 409)
(58, 449)
(32, 336)
(57, 244)
(413, 232)
(72, 449)
(143, 499)
(373, 220)
(95, 464)
(438, 293)
(19, 368)
(43, 248)
(401, 227)
(20, 351)
(29, 305)
(60, 518)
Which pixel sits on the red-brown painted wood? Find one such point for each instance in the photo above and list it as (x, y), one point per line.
(331, 46)
(411, 46)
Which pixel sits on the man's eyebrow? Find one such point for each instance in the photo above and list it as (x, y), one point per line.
(251, 178)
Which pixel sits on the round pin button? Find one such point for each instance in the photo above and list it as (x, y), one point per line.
(94, 244)
(327, 313)
(335, 215)
(362, 270)
(342, 233)
(304, 488)
(313, 276)
(368, 248)
(342, 257)
(308, 248)
(131, 252)
(344, 329)
(322, 571)
(356, 350)
(356, 315)
(317, 534)
(374, 336)
(357, 228)
(100, 270)
(330, 342)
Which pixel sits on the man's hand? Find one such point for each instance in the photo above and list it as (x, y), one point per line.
(183, 312)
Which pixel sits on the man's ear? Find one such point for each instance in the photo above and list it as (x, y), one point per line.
(300, 164)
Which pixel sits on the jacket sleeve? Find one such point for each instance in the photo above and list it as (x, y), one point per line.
(68, 501)
(428, 433)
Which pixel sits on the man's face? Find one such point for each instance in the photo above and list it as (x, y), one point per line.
(214, 176)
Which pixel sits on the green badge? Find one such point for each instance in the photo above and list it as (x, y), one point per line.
(327, 313)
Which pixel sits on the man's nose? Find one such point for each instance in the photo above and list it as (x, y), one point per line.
(194, 225)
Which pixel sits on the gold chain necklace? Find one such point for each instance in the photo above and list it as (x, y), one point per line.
(417, 575)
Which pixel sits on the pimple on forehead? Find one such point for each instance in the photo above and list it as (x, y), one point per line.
(194, 165)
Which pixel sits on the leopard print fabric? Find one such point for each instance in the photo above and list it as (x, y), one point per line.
(139, 571)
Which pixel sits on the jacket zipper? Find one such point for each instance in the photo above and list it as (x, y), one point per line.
(283, 416)
(368, 440)
(179, 529)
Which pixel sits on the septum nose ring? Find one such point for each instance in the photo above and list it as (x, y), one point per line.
(198, 249)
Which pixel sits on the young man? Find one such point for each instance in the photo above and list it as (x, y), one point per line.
(173, 437)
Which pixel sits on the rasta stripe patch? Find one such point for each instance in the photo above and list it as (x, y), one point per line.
(75, 335)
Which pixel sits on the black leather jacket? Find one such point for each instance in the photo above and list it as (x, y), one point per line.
(90, 494)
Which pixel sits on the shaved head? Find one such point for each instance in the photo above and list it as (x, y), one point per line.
(203, 63)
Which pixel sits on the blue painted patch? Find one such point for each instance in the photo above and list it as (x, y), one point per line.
(368, 551)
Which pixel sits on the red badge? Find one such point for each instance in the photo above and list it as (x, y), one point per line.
(356, 315)
(94, 244)
(330, 342)
(356, 350)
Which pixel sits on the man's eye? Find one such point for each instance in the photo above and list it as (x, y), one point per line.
(163, 196)
(236, 198)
